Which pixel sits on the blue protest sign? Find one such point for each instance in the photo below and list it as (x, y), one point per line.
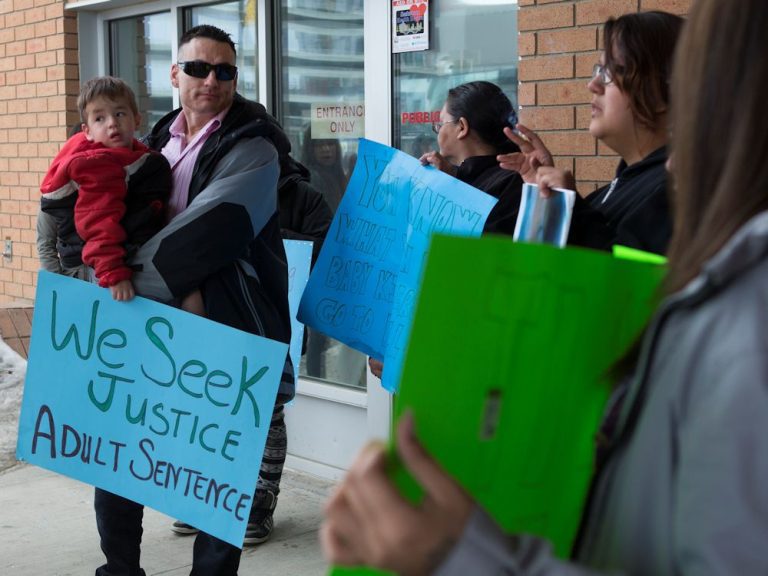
(159, 406)
(298, 254)
(363, 287)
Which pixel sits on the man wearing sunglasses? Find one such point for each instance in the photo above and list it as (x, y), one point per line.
(223, 239)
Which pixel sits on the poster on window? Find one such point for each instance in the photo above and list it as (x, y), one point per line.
(410, 25)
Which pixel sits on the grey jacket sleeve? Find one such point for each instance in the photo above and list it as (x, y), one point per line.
(718, 495)
(47, 234)
(217, 226)
(485, 549)
(720, 492)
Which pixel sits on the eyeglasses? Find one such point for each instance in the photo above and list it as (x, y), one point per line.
(200, 69)
(602, 74)
(437, 125)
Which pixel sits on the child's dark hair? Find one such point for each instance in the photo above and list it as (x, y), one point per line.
(107, 87)
(487, 110)
(639, 50)
(210, 32)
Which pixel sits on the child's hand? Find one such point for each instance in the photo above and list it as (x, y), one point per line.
(122, 291)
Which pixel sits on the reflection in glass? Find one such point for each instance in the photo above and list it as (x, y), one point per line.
(322, 64)
(467, 44)
(238, 19)
(140, 54)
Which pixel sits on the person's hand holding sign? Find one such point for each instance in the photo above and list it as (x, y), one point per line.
(367, 521)
(376, 366)
(438, 161)
(549, 177)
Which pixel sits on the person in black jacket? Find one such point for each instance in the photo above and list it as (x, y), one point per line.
(630, 104)
(304, 215)
(470, 135)
(225, 240)
(304, 212)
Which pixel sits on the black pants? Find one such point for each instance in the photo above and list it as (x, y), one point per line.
(119, 519)
(119, 522)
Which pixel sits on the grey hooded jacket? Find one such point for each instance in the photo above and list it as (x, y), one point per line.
(685, 487)
(227, 241)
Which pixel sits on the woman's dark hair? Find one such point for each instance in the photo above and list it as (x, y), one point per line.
(720, 140)
(487, 110)
(720, 180)
(639, 49)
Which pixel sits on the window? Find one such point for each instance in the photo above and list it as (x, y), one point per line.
(140, 54)
(465, 46)
(320, 71)
(140, 50)
(318, 64)
(239, 20)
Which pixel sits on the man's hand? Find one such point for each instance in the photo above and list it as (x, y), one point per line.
(533, 153)
(367, 521)
(122, 291)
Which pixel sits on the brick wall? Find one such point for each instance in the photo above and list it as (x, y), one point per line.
(38, 70)
(560, 41)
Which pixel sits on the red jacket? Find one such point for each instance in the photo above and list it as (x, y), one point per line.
(103, 179)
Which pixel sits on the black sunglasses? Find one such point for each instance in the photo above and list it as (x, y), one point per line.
(200, 69)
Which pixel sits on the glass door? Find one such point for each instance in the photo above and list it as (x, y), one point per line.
(470, 40)
(320, 103)
(140, 54)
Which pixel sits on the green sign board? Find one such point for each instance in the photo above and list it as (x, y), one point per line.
(507, 371)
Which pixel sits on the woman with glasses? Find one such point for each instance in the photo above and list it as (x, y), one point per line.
(470, 134)
(682, 490)
(629, 114)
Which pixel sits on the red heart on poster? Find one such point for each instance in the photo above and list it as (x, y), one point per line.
(417, 12)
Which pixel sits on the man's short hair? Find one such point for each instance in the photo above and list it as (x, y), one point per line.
(207, 31)
(107, 87)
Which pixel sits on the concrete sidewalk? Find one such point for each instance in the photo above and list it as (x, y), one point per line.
(47, 528)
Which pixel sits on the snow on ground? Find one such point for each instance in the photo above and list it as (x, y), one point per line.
(12, 370)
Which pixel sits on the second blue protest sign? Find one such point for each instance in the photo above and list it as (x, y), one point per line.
(159, 406)
(298, 254)
(362, 290)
